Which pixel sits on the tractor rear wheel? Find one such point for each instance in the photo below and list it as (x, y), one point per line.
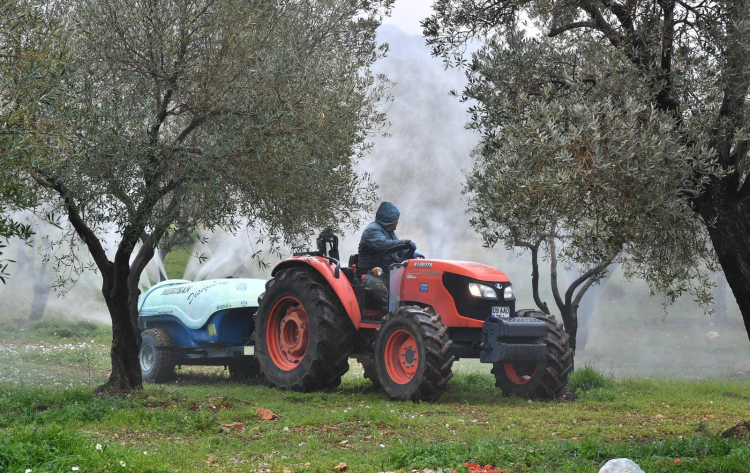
(413, 354)
(157, 364)
(302, 333)
(538, 380)
(370, 371)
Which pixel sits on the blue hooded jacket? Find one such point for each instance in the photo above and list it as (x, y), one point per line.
(377, 239)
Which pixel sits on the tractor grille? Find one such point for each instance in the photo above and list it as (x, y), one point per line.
(470, 306)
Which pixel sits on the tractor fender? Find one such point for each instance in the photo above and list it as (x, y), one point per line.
(341, 285)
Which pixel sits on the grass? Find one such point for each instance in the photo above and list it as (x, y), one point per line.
(176, 261)
(50, 421)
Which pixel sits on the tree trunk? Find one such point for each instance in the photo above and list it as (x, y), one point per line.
(39, 283)
(126, 337)
(41, 296)
(586, 311)
(720, 318)
(730, 235)
(570, 322)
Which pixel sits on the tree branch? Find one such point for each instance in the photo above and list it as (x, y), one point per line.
(74, 216)
(132, 231)
(590, 274)
(553, 273)
(743, 195)
(571, 26)
(613, 36)
(534, 247)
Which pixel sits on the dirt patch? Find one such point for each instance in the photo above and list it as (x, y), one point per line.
(740, 431)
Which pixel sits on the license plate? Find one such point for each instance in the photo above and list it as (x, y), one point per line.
(501, 311)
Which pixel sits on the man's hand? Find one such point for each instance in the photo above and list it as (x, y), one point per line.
(412, 244)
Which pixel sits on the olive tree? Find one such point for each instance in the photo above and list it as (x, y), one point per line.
(568, 166)
(668, 79)
(238, 110)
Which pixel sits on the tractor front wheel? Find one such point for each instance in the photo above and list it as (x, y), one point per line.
(412, 355)
(543, 380)
(157, 365)
(302, 333)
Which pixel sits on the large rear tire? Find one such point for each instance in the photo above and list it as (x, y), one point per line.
(157, 363)
(303, 335)
(544, 380)
(370, 371)
(413, 355)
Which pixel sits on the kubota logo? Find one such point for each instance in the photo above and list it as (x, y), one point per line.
(422, 265)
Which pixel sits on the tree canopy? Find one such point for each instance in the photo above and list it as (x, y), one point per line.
(622, 127)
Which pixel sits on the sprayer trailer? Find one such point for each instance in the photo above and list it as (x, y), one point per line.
(198, 323)
(315, 314)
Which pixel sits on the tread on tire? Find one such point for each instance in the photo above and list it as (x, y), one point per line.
(549, 378)
(428, 379)
(328, 332)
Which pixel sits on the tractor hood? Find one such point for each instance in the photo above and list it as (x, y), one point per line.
(194, 302)
(469, 269)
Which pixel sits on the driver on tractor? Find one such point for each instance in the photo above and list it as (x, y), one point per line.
(377, 238)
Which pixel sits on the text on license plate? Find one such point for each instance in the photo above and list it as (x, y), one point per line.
(501, 311)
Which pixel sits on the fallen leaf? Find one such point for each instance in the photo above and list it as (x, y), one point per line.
(341, 467)
(658, 416)
(235, 425)
(287, 470)
(344, 442)
(265, 414)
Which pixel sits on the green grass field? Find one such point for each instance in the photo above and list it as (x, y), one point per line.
(50, 421)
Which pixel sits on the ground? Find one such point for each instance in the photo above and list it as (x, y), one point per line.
(202, 421)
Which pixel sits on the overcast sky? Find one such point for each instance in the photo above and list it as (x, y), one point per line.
(408, 13)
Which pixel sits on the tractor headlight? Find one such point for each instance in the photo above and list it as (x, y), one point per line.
(508, 294)
(480, 290)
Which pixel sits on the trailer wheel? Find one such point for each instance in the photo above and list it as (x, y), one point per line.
(244, 368)
(303, 335)
(412, 355)
(544, 380)
(157, 364)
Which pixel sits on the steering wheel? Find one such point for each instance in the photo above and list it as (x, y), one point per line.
(399, 247)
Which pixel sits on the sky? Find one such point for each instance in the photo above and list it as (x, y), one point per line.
(408, 13)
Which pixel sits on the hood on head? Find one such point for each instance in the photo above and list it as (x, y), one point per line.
(387, 214)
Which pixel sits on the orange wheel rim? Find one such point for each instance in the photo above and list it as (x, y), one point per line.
(519, 375)
(401, 356)
(287, 333)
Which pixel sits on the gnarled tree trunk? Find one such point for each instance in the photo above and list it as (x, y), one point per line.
(730, 235)
(126, 337)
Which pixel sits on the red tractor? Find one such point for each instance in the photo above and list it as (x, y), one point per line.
(315, 315)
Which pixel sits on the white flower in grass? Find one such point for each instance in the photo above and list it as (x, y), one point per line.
(122, 463)
(98, 446)
(28, 470)
(75, 468)
(145, 452)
